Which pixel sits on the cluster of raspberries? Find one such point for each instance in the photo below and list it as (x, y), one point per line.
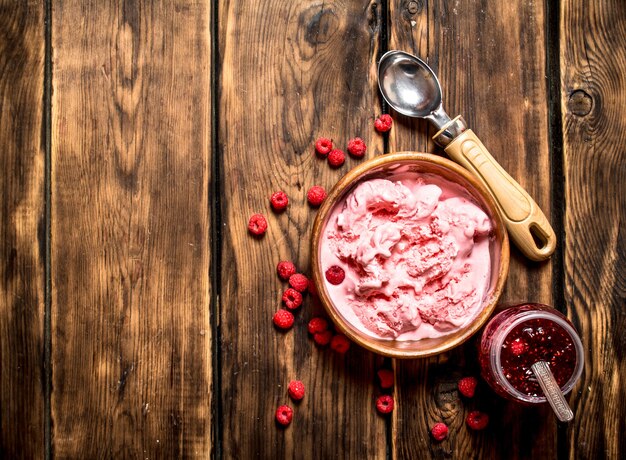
(475, 420)
(324, 148)
(257, 224)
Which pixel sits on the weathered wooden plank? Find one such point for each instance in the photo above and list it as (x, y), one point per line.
(593, 99)
(22, 230)
(490, 60)
(130, 229)
(290, 72)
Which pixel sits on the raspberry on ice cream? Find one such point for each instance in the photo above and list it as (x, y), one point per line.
(415, 251)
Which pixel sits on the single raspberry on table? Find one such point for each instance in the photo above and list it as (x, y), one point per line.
(386, 378)
(340, 343)
(335, 275)
(336, 158)
(257, 225)
(317, 324)
(279, 201)
(477, 420)
(296, 390)
(467, 386)
(292, 298)
(356, 147)
(284, 414)
(316, 195)
(384, 404)
(323, 146)
(283, 319)
(285, 269)
(439, 431)
(323, 338)
(383, 123)
(299, 282)
(518, 347)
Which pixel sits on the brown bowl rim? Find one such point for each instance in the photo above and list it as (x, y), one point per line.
(340, 188)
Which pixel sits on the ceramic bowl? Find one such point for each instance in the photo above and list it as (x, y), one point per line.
(384, 166)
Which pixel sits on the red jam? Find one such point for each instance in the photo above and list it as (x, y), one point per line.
(518, 337)
(532, 341)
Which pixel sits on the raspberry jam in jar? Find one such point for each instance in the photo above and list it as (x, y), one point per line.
(522, 335)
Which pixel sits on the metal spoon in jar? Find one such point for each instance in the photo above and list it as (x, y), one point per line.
(411, 88)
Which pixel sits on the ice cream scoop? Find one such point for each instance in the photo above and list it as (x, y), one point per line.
(411, 88)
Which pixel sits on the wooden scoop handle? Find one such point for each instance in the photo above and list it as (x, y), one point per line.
(521, 214)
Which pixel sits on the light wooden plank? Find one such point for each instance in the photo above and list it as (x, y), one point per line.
(131, 150)
(290, 72)
(490, 60)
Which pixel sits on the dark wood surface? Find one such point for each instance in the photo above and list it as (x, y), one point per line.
(137, 138)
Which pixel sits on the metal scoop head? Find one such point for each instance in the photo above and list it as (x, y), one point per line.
(410, 87)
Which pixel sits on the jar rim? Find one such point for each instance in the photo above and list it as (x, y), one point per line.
(504, 332)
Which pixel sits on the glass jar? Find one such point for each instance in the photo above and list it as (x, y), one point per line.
(518, 337)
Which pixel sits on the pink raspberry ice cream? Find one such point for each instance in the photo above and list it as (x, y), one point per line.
(415, 251)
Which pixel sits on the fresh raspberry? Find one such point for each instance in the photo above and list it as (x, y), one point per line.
(336, 158)
(439, 431)
(384, 404)
(477, 420)
(316, 195)
(356, 147)
(296, 390)
(285, 269)
(257, 224)
(284, 414)
(323, 338)
(467, 386)
(323, 146)
(283, 319)
(317, 324)
(335, 275)
(292, 298)
(386, 378)
(518, 347)
(383, 123)
(279, 201)
(340, 343)
(299, 282)
(311, 288)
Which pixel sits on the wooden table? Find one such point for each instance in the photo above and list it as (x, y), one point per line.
(137, 138)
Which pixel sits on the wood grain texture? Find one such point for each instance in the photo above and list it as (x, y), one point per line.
(22, 230)
(290, 72)
(490, 60)
(131, 151)
(593, 101)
